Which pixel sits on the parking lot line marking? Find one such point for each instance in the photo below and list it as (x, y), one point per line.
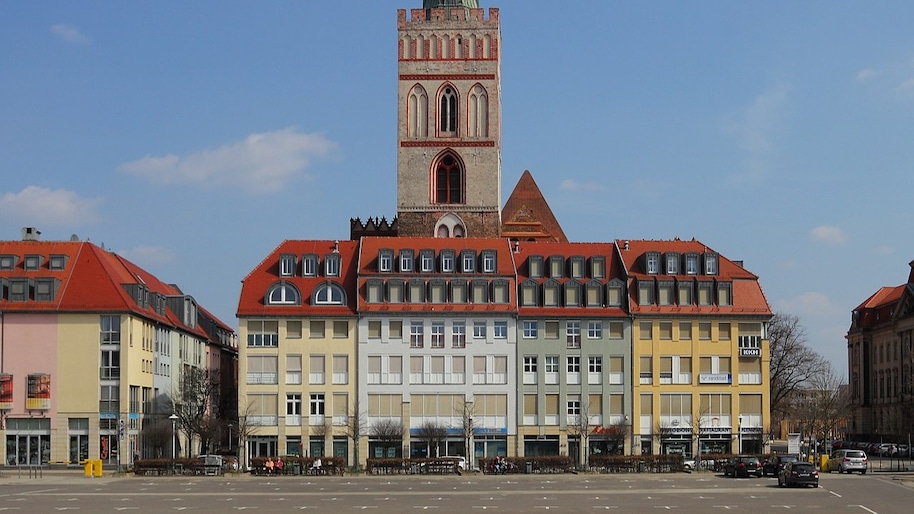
(864, 508)
(836, 494)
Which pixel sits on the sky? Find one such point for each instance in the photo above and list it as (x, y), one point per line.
(194, 137)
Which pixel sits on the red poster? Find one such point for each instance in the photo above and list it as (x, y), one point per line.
(6, 391)
(39, 392)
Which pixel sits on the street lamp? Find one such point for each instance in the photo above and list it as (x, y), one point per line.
(739, 434)
(173, 418)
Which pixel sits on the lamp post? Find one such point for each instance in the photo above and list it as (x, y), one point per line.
(173, 418)
(739, 434)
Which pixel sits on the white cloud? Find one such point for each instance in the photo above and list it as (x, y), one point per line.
(146, 255)
(811, 304)
(867, 74)
(37, 206)
(884, 250)
(829, 235)
(754, 131)
(261, 163)
(574, 185)
(906, 86)
(68, 33)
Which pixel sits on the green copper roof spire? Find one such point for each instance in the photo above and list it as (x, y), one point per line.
(434, 4)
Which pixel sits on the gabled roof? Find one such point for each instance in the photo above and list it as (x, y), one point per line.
(255, 285)
(747, 295)
(92, 280)
(527, 216)
(613, 271)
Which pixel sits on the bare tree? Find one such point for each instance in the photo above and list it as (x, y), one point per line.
(356, 428)
(156, 436)
(389, 432)
(793, 364)
(822, 406)
(580, 427)
(196, 403)
(468, 425)
(433, 433)
(245, 428)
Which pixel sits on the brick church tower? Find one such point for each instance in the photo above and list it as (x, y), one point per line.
(449, 120)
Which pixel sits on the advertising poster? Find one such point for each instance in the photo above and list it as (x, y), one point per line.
(6, 391)
(39, 392)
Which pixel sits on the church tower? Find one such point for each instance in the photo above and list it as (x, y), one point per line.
(449, 120)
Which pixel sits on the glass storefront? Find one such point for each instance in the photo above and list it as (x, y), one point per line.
(28, 441)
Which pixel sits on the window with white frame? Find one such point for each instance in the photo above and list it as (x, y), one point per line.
(293, 369)
(340, 369)
(317, 372)
(652, 263)
(426, 261)
(467, 261)
(309, 265)
(329, 294)
(293, 409)
(318, 406)
(672, 263)
(573, 369)
(262, 334)
(479, 330)
(385, 260)
(530, 329)
(535, 266)
(500, 330)
(528, 294)
(488, 261)
(262, 369)
(447, 261)
(595, 369)
(710, 263)
(551, 369)
(594, 329)
(459, 334)
(529, 369)
(573, 333)
(416, 334)
(283, 293)
(332, 263)
(406, 260)
(437, 334)
(286, 265)
(691, 263)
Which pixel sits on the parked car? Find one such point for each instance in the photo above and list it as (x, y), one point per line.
(689, 464)
(845, 461)
(775, 463)
(798, 473)
(743, 466)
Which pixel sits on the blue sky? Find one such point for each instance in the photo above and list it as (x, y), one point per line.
(193, 137)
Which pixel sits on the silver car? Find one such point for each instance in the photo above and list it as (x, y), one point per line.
(846, 461)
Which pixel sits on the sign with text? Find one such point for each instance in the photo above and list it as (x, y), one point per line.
(750, 352)
(6, 391)
(38, 396)
(715, 378)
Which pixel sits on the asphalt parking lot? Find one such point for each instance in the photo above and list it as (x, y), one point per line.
(684, 493)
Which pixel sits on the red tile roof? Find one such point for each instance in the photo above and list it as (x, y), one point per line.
(527, 215)
(256, 284)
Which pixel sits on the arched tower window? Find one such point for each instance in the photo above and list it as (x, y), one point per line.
(478, 124)
(447, 112)
(417, 109)
(450, 225)
(448, 179)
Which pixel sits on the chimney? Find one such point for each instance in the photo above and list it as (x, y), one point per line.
(30, 234)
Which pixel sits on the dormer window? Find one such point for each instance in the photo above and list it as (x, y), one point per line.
(19, 289)
(309, 265)
(528, 294)
(551, 293)
(32, 262)
(598, 267)
(652, 263)
(283, 293)
(468, 261)
(710, 264)
(479, 291)
(45, 289)
(8, 262)
(57, 262)
(577, 267)
(646, 292)
(593, 294)
(556, 266)
(417, 291)
(426, 261)
(332, 264)
(724, 294)
(614, 293)
(286, 265)
(500, 291)
(691, 263)
(535, 266)
(406, 261)
(447, 261)
(329, 294)
(385, 261)
(488, 261)
(572, 294)
(375, 291)
(672, 263)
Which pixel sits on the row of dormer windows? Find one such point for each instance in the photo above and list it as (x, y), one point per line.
(684, 292)
(32, 262)
(438, 291)
(447, 261)
(571, 294)
(308, 265)
(674, 263)
(26, 289)
(557, 266)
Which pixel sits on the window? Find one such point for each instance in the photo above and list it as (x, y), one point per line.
(262, 369)
(406, 260)
(685, 293)
(32, 262)
(283, 293)
(427, 261)
(317, 373)
(309, 265)
(417, 291)
(552, 330)
(645, 292)
(551, 369)
(573, 334)
(593, 294)
(340, 329)
(459, 335)
(488, 261)
(500, 330)
(574, 407)
(724, 331)
(45, 289)
(447, 112)
(704, 293)
(598, 267)
(573, 367)
(396, 291)
(111, 365)
(528, 294)
(646, 373)
(459, 291)
(672, 263)
(8, 262)
(329, 294)
(551, 294)
(263, 334)
(500, 291)
(317, 404)
(572, 294)
(416, 335)
(691, 263)
(332, 263)
(616, 330)
(645, 329)
(467, 261)
(448, 180)
(340, 369)
(374, 291)
(685, 330)
(724, 297)
(529, 369)
(293, 409)
(293, 369)
(594, 330)
(710, 263)
(293, 329)
(395, 329)
(57, 262)
(286, 265)
(665, 293)
(666, 330)
(614, 294)
(316, 329)
(652, 263)
(577, 266)
(535, 266)
(595, 369)
(447, 261)
(479, 330)
(478, 111)
(530, 329)
(417, 110)
(385, 260)
(556, 266)
(437, 334)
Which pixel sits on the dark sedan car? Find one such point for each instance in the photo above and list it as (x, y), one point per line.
(798, 473)
(775, 463)
(743, 466)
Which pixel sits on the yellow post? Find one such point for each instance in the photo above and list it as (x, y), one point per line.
(823, 462)
(87, 467)
(98, 467)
